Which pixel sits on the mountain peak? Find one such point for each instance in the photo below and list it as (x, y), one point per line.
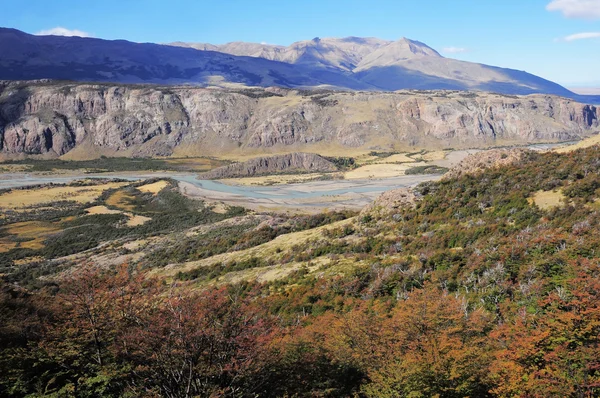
(412, 48)
(359, 63)
(401, 50)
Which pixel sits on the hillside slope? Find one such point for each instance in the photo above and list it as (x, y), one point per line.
(467, 287)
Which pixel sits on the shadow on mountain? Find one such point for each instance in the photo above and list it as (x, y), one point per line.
(524, 83)
(29, 57)
(397, 77)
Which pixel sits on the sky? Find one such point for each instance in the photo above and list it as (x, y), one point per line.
(555, 39)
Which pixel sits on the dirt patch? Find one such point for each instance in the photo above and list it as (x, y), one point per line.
(379, 171)
(218, 207)
(135, 220)
(121, 200)
(101, 210)
(153, 188)
(547, 199)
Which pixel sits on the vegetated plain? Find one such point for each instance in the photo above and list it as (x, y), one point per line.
(486, 284)
(105, 164)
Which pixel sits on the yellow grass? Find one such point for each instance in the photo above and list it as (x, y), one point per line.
(34, 231)
(27, 260)
(133, 219)
(273, 180)
(588, 142)
(153, 188)
(18, 199)
(136, 244)
(13, 168)
(325, 266)
(378, 171)
(121, 200)
(218, 207)
(547, 199)
(195, 163)
(435, 155)
(266, 250)
(101, 210)
(398, 158)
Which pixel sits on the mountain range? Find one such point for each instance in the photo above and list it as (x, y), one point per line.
(350, 63)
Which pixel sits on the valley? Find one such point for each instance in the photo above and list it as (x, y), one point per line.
(295, 191)
(484, 249)
(203, 199)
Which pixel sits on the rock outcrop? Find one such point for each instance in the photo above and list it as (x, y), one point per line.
(136, 120)
(391, 202)
(292, 162)
(480, 161)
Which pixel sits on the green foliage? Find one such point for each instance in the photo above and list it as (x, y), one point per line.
(101, 165)
(342, 163)
(474, 291)
(430, 169)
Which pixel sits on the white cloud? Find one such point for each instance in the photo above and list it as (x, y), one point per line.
(60, 31)
(455, 50)
(585, 9)
(582, 36)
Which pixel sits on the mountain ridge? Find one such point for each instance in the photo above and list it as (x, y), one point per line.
(55, 119)
(359, 64)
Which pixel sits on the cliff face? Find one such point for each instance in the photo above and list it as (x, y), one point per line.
(53, 119)
(272, 165)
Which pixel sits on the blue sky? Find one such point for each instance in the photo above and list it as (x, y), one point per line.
(521, 34)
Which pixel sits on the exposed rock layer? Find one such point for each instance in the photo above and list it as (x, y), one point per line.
(308, 162)
(480, 161)
(53, 119)
(391, 202)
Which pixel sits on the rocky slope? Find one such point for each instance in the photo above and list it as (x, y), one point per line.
(85, 120)
(391, 202)
(478, 162)
(292, 162)
(392, 65)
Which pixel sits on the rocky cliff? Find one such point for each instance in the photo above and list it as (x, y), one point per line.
(291, 162)
(54, 119)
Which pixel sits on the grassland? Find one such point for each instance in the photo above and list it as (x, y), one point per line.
(546, 200)
(269, 252)
(44, 223)
(21, 199)
(586, 143)
(114, 164)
